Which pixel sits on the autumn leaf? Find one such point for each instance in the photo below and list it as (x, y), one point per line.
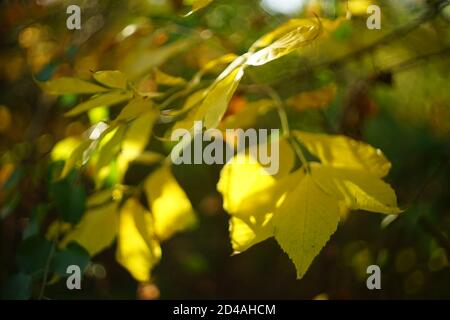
(170, 207)
(112, 79)
(87, 233)
(137, 248)
(293, 35)
(302, 209)
(107, 99)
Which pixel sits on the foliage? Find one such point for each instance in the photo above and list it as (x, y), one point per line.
(105, 182)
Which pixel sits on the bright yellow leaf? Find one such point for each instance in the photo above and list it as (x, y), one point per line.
(304, 223)
(96, 230)
(358, 189)
(343, 152)
(137, 249)
(171, 209)
(301, 32)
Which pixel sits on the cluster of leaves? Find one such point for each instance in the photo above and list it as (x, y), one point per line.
(300, 206)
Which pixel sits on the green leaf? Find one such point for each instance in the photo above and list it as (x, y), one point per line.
(18, 287)
(33, 227)
(72, 254)
(104, 100)
(33, 253)
(69, 198)
(112, 79)
(67, 85)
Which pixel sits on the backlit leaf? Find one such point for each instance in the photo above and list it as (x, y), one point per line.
(303, 33)
(137, 249)
(304, 223)
(112, 79)
(343, 152)
(104, 100)
(171, 209)
(96, 230)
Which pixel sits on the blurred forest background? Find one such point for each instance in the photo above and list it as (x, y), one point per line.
(388, 87)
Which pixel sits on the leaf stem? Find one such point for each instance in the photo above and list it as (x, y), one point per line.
(47, 264)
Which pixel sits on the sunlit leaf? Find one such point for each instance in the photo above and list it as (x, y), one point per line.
(104, 100)
(166, 79)
(343, 152)
(358, 189)
(304, 223)
(134, 108)
(138, 135)
(137, 249)
(171, 209)
(96, 230)
(64, 148)
(112, 79)
(303, 33)
(216, 100)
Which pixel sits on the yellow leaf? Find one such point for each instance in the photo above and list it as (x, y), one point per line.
(316, 99)
(166, 79)
(77, 157)
(359, 7)
(216, 101)
(303, 33)
(251, 196)
(197, 5)
(104, 100)
(358, 189)
(134, 108)
(64, 148)
(113, 79)
(343, 152)
(137, 249)
(304, 223)
(245, 234)
(96, 230)
(135, 140)
(67, 85)
(278, 32)
(138, 135)
(109, 147)
(171, 209)
(243, 177)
